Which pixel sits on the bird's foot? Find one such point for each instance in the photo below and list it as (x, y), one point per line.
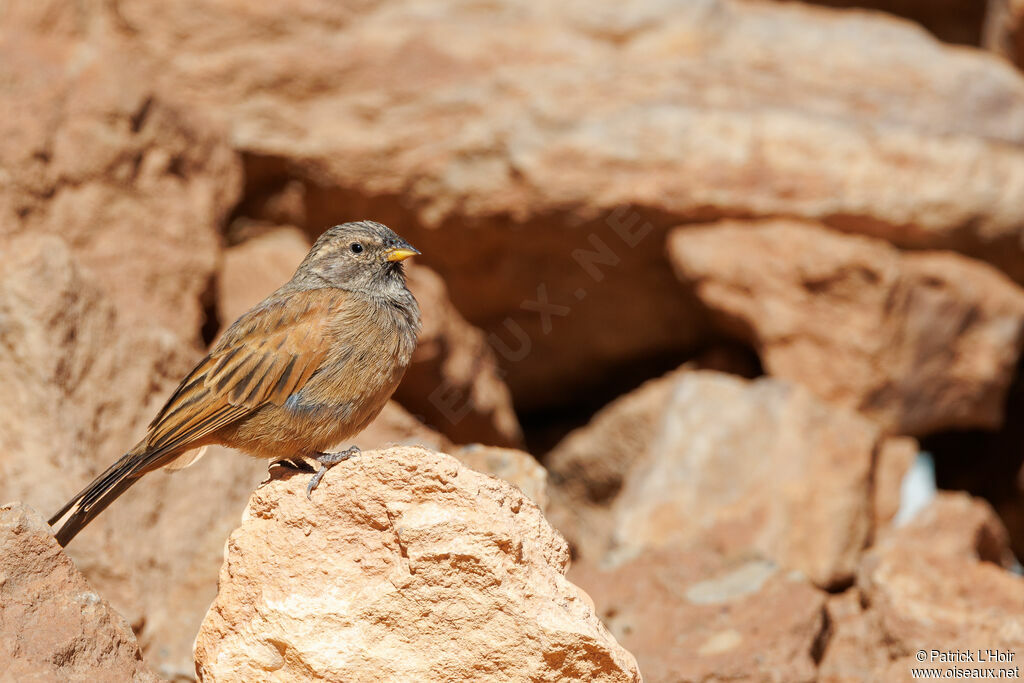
(327, 461)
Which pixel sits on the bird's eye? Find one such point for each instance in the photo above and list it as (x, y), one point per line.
(356, 248)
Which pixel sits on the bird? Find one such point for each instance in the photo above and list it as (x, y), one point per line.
(304, 370)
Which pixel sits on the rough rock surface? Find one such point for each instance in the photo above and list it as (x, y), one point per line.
(406, 565)
(697, 616)
(94, 152)
(452, 383)
(920, 342)
(935, 583)
(53, 625)
(537, 153)
(515, 467)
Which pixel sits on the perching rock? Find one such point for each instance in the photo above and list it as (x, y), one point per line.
(405, 565)
(515, 467)
(918, 341)
(53, 625)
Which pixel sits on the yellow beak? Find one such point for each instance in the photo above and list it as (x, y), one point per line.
(401, 253)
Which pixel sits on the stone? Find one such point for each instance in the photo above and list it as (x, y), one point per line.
(511, 465)
(80, 384)
(758, 466)
(538, 154)
(405, 565)
(53, 625)
(1001, 32)
(589, 467)
(918, 341)
(698, 616)
(95, 152)
(938, 583)
(895, 457)
(452, 383)
(395, 426)
(253, 269)
(953, 21)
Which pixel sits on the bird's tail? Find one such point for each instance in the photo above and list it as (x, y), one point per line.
(94, 498)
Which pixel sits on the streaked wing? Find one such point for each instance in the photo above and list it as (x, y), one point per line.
(266, 356)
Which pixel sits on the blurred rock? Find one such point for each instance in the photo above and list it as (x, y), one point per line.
(80, 384)
(515, 467)
(93, 151)
(452, 383)
(893, 460)
(406, 565)
(53, 626)
(920, 342)
(953, 21)
(935, 583)
(255, 268)
(753, 466)
(696, 616)
(537, 153)
(1002, 29)
(590, 466)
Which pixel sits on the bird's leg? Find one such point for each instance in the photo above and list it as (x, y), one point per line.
(327, 461)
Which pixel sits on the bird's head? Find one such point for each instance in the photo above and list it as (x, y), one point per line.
(363, 256)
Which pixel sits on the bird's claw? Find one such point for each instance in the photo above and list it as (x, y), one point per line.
(327, 461)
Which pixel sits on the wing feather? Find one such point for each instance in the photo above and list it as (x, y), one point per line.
(266, 356)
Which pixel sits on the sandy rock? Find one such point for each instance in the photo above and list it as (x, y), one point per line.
(538, 153)
(53, 625)
(697, 616)
(94, 152)
(515, 467)
(452, 383)
(920, 342)
(935, 583)
(758, 466)
(406, 565)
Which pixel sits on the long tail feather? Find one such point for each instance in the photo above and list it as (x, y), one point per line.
(94, 498)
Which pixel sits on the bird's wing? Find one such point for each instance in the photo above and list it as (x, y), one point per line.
(266, 356)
